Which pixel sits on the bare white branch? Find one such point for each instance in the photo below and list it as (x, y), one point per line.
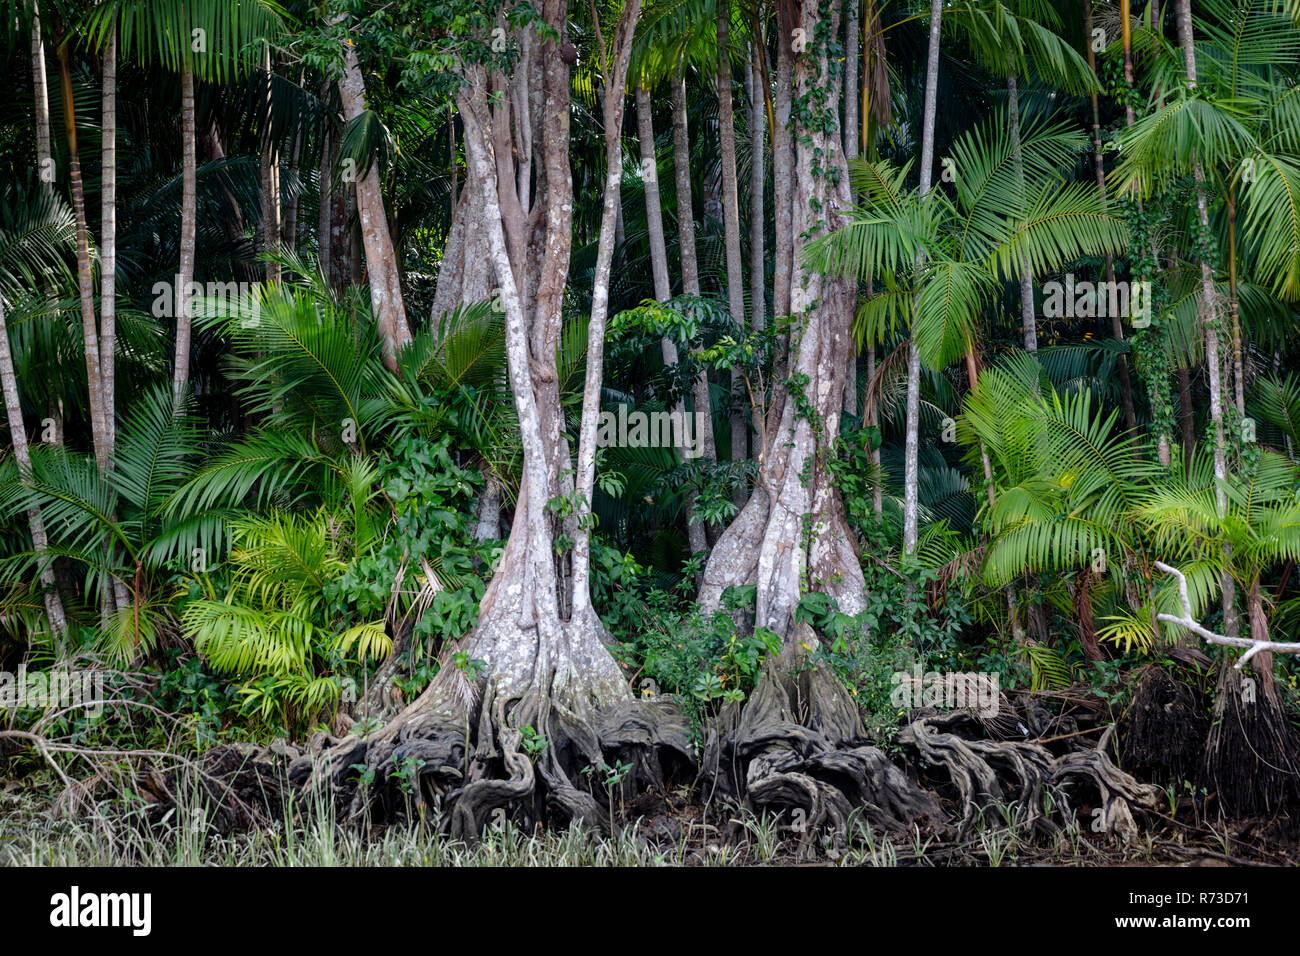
(1253, 647)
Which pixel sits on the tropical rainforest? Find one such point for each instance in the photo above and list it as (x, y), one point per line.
(650, 431)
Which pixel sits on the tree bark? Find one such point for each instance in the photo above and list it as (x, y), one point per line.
(1028, 320)
(189, 213)
(851, 139)
(270, 181)
(1099, 167)
(686, 246)
(1210, 321)
(325, 188)
(792, 536)
(381, 258)
(108, 247)
(614, 67)
(85, 272)
(731, 230)
(757, 184)
(40, 88)
(911, 451)
(659, 267)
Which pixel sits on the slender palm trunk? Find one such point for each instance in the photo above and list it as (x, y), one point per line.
(1126, 41)
(911, 452)
(1099, 168)
(85, 273)
(325, 188)
(189, 225)
(686, 246)
(659, 267)
(289, 237)
(108, 246)
(270, 181)
(40, 88)
(1234, 307)
(731, 228)
(1210, 322)
(18, 436)
(1027, 318)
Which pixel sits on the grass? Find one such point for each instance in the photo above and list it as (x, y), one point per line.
(119, 833)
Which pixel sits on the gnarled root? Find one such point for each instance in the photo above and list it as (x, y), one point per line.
(798, 744)
(527, 757)
(1023, 774)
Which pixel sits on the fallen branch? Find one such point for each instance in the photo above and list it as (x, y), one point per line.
(1252, 646)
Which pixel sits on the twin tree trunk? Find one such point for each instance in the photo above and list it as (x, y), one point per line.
(541, 661)
(792, 536)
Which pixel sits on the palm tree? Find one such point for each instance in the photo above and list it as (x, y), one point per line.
(209, 40)
(911, 487)
(127, 504)
(1009, 41)
(1237, 120)
(1218, 531)
(1067, 482)
(1003, 220)
(36, 230)
(960, 248)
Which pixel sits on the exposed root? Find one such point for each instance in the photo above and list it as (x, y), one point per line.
(1026, 776)
(798, 744)
(1252, 756)
(525, 758)
(1162, 736)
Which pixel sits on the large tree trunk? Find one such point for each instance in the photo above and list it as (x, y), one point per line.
(792, 537)
(614, 67)
(850, 139)
(659, 268)
(911, 449)
(757, 182)
(18, 437)
(381, 259)
(189, 203)
(544, 663)
(731, 230)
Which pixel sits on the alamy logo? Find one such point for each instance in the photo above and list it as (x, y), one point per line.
(1086, 300)
(57, 687)
(220, 298)
(638, 429)
(76, 909)
(949, 690)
